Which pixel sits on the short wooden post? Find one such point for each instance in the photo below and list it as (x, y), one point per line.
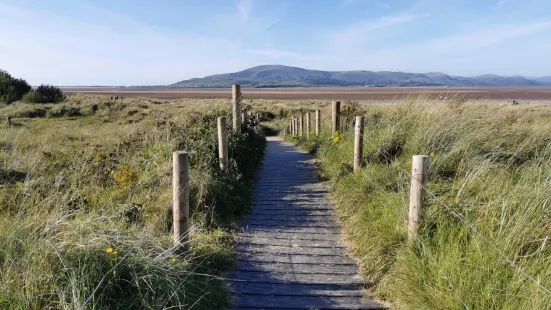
(180, 196)
(358, 142)
(258, 118)
(336, 117)
(419, 178)
(318, 122)
(236, 102)
(243, 116)
(307, 125)
(9, 122)
(295, 123)
(222, 143)
(301, 124)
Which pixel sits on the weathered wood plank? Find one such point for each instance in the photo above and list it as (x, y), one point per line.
(263, 248)
(263, 289)
(304, 302)
(352, 281)
(302, 268)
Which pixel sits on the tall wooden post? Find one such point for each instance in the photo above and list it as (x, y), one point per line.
(222, 143)
(301, 124)
(336, 117)
(9, 122)
(291, 126)
(358, 142)
(419, 178)
(307, 125)
(180, 196)
(236, 102)
(295, 124)
(318, 123)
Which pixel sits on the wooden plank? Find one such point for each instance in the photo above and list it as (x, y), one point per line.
(298, 268)
(267, 248)
(303, 302)
(263, 289)
(290, 242)
(304, 222)
(351, 281)
(290, 235)
(294, 259)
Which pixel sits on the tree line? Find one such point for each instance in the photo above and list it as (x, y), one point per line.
(14, 89)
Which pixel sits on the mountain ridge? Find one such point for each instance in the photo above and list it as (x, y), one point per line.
(287, 76)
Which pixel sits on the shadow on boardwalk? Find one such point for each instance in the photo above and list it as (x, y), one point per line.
(289, 251)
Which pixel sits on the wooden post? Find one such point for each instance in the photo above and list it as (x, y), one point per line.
(9, 122)
(336, 117)
(243, 116)
(295, 124)
(301, 124)
(222, 143)
(307, 125)
(180, 197)
(258, 118)
(358, 142)
(419, 178)
(236, 102)
(291, 126)
(318, 122)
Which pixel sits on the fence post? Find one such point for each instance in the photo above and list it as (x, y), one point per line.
(307, 125)
(419, 178)
(301, 124)
(258, 118)
(243, 116)
(336, 117)
(236, 102)
(358, 142)
(9, 122)
(180, 196)
(222, 143)
(318, 122)
(295, 129)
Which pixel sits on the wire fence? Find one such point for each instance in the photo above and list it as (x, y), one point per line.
(465, 222)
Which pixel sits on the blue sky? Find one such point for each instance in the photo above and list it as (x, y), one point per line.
(138, 42)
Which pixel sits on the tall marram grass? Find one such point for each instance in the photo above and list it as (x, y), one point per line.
(490, 164)
(85, 205)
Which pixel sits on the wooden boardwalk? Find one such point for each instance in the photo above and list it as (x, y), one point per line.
(289, 252)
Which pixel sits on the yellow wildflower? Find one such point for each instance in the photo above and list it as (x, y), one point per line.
(173, 260)
(109, 250)
(432, 155)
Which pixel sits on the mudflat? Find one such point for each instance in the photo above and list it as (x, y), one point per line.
(324, 93)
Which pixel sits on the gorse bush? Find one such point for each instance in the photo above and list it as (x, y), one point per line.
(490, 165)
(12, 89)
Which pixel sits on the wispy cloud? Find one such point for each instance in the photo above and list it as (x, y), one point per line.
(358, 33)
(273, 53)
(244, 8)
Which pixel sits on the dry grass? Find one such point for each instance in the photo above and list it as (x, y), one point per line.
(85, 197)
(490, 164)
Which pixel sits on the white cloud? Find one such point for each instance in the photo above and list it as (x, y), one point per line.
(70, 51)
(244, 8)
(358, 33)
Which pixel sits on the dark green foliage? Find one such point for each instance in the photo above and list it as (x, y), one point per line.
(12, 89)
(45, 94)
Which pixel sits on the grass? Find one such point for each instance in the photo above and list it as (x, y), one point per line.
(490, 164)
(85, 200)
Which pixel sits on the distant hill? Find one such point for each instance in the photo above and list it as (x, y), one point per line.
(284, 76)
